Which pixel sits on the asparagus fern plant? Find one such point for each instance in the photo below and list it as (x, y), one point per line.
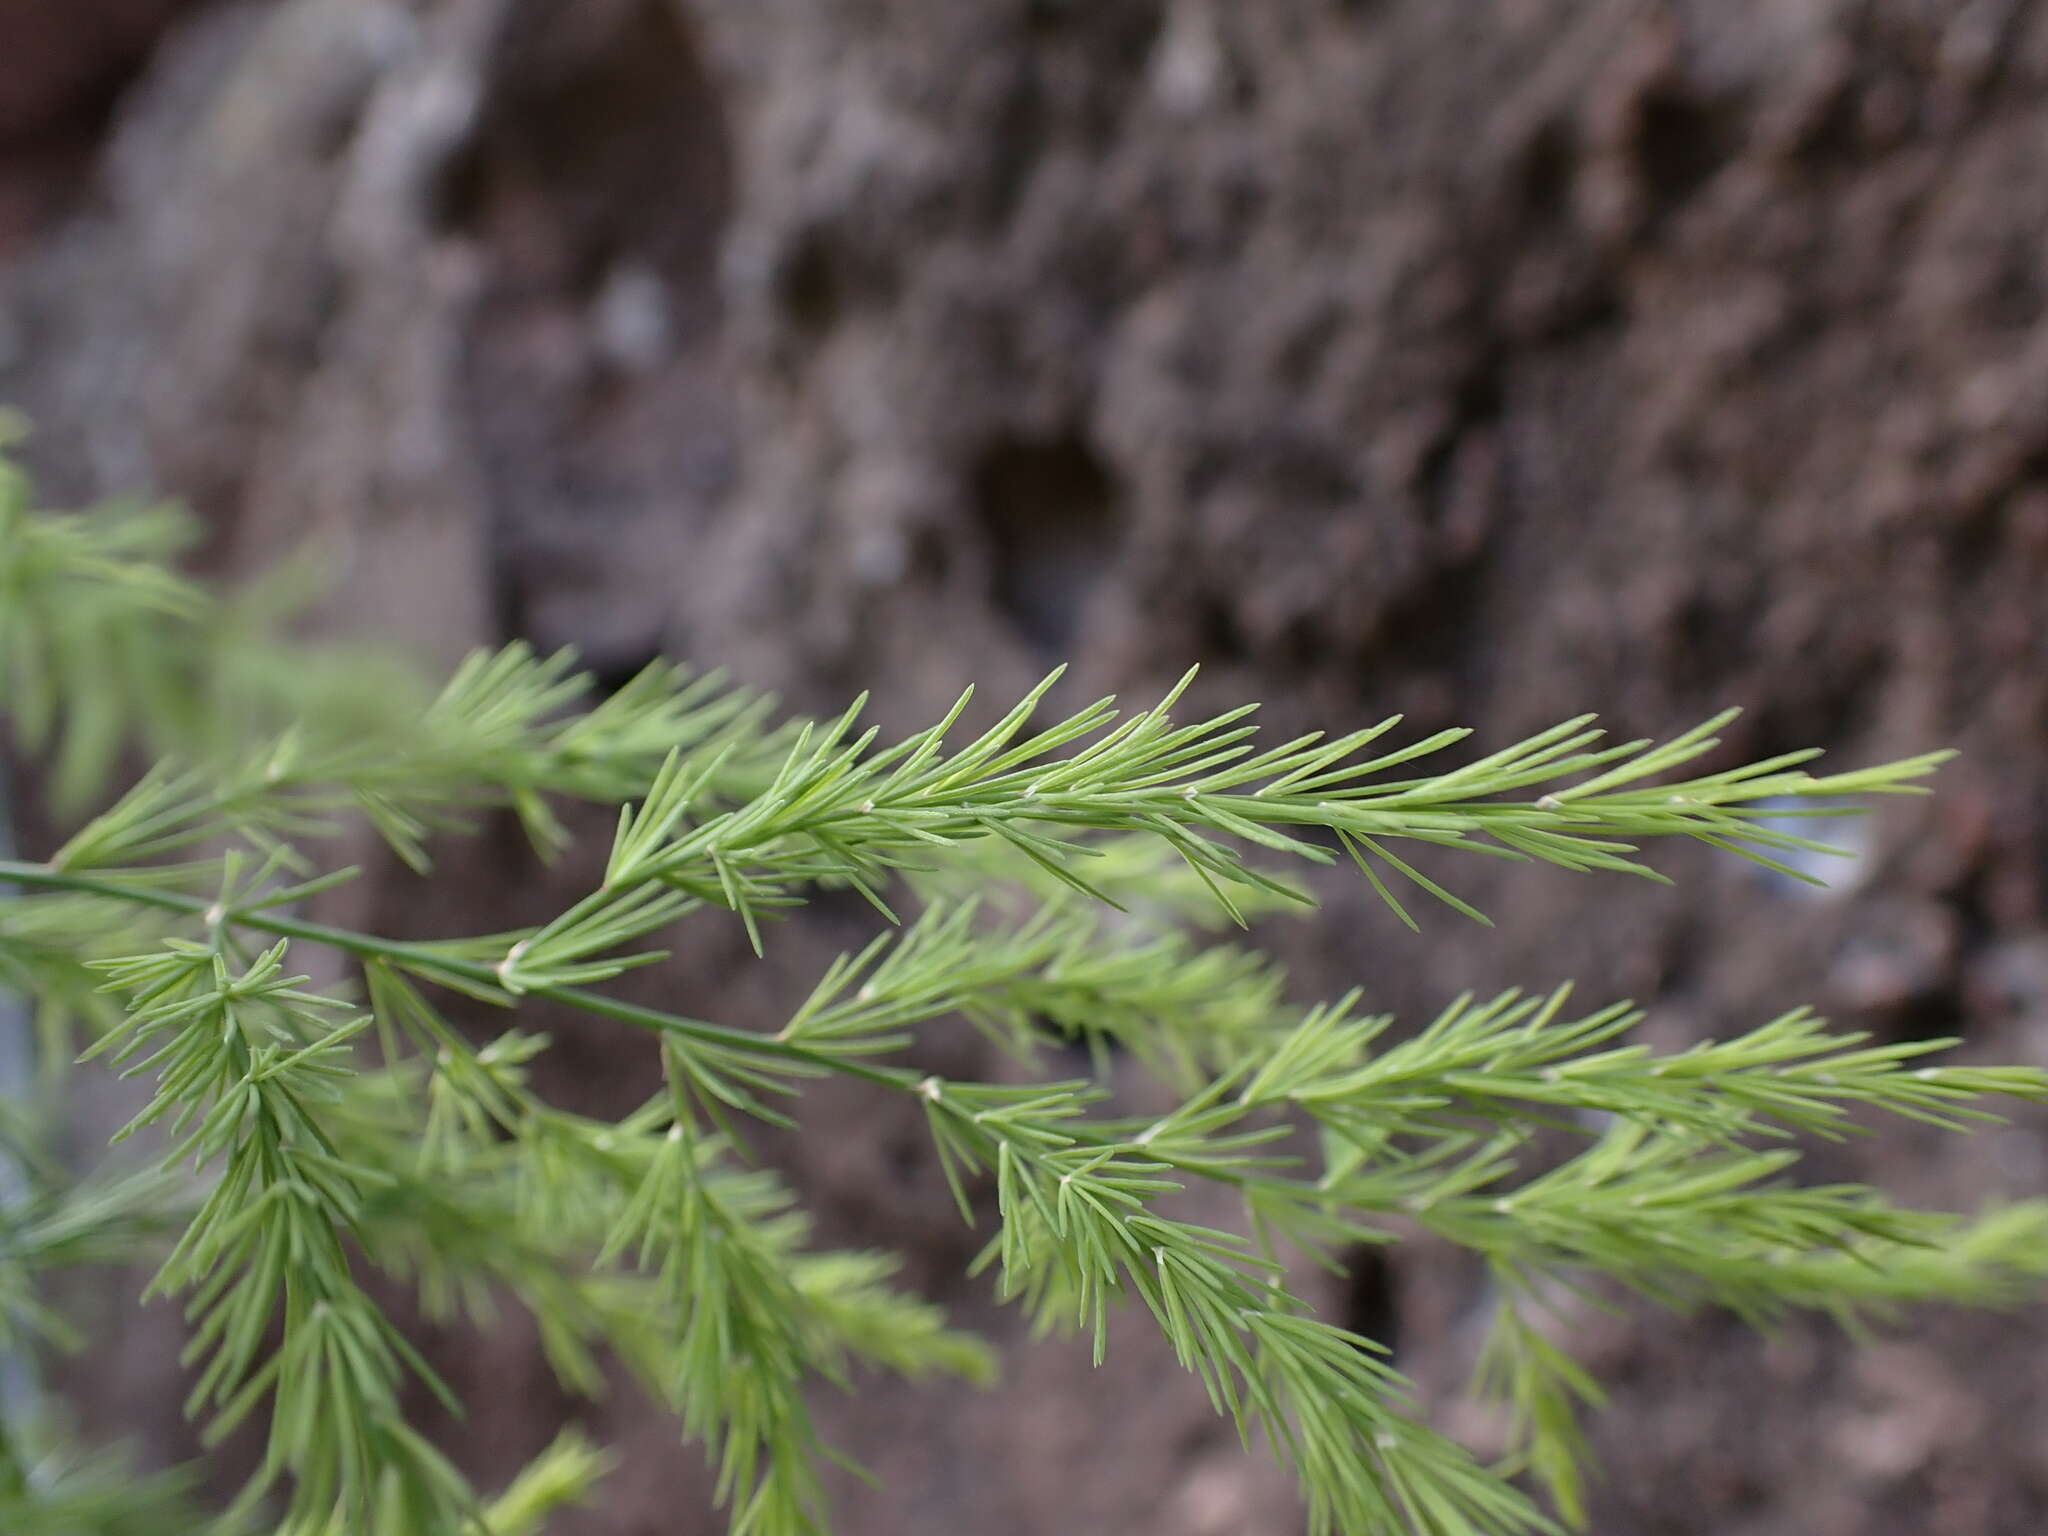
(299, 1137)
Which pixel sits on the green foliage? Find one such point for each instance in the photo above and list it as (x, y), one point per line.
(306, 1145)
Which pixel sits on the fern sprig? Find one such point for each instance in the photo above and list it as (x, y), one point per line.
(243, 1059)
(1055, 874)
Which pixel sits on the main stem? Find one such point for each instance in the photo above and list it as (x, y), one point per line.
(424, 959)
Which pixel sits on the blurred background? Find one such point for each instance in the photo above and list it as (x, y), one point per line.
(1487, 362)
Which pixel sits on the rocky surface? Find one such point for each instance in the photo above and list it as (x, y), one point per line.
(1486, 364)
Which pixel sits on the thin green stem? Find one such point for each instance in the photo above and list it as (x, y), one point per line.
(425, 959)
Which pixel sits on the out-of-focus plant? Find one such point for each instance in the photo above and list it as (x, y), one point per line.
(1027, 877)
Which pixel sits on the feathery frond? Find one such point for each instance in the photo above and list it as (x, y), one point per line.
(1058, 883)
